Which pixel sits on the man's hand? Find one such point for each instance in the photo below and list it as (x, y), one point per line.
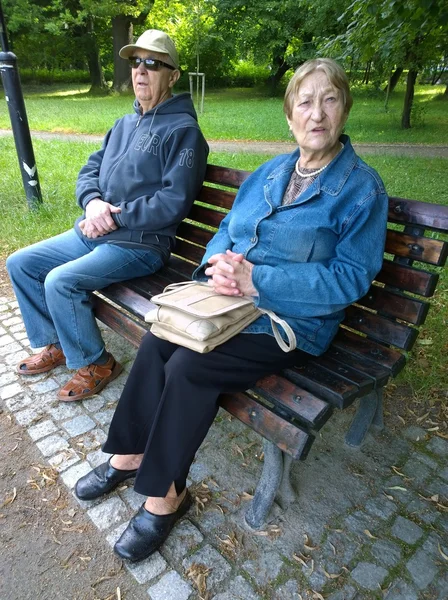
(231, 274)
(98, 219)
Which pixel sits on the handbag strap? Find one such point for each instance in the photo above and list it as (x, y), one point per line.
(292, 340)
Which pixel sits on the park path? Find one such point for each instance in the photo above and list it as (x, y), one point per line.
(429, 151)
(366, 523)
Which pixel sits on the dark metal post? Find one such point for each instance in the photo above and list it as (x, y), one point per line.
(19, 121)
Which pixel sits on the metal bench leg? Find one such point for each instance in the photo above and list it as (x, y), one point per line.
(286, 494)
(267, 487)
(369, 411)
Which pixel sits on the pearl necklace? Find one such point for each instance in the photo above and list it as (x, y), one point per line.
(313, 173)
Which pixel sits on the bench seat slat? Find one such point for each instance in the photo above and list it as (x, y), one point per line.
(407, 278)
(416, 247)
(287, 436)
(396, 305)
(380, 328)
(118, 321)
(378, 373)
(299, 403)
(352, 343)
(332, 388)
(364, 382)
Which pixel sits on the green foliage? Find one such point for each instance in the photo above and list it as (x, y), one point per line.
(48, 77)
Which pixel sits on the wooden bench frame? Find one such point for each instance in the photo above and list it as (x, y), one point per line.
(370, 347)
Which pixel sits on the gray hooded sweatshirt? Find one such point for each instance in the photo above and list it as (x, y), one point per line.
(152, 166)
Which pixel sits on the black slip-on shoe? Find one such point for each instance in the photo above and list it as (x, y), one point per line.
(146, 532)
(102, 480)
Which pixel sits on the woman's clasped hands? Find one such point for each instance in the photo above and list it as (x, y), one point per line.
(231, 274)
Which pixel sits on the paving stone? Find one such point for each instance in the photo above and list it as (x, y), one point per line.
(426, 460)
(387, 553)
(212, 519)
(211, 559)
(18, 402)
(79, 425)
(444, 474)
(358, 522)
(65, 459)
(348, 592)
(395, 487)
(184, 538)
(416, 471)
(432, 544)
(381, 507)
(27, 416)
(422, 569)
(71, 476)
(438, 446)
(16, 328)
(98, 457)
(41, 430)
(108, 513)
(11, 349)
(5, 340)
(14, 357)
(43, 387)
(92, 439)
(52, 444)
(170, 587)
(130, 496)
(104, 417)
(265, 567)
(422, 510)
(316, 580)
(400, 590)
(340, 548)
(406, 530)
(147, 569)
(368, 575)
(437, 486)
(12, 321)
(240, 589)
(65, 410)
(115, 534)
(198, 472)
(93, 404)
(8, 391)
(7, 378)
(22, 336)
(440, 586)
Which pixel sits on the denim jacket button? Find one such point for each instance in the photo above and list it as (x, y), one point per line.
(253, 240)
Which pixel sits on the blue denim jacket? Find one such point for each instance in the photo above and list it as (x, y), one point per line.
(314, 256)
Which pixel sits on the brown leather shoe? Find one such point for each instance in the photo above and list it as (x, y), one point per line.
(46, 360)
(90, 380)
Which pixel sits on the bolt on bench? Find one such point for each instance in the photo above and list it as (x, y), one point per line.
(371, 346)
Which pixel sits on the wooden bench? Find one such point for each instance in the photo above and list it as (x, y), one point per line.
(370, 347)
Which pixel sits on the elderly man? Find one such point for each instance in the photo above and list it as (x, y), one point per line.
(134, 193)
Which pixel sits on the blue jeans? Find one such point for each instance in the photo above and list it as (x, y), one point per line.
(53, 281)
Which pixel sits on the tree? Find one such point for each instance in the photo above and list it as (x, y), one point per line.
(408, 33)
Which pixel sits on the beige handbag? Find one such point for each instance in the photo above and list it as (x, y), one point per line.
(193, 315)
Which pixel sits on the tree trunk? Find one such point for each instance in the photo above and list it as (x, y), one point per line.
(122, 30)
(394, 80)
(366, 77)
(408, 99)
(279, 68)
(97, 80)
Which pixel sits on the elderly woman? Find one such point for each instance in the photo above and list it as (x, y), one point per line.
(305, 239)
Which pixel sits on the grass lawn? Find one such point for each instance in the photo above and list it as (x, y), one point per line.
(59, 162)
(240, 114)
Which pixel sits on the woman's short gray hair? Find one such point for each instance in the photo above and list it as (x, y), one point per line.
(336, 76)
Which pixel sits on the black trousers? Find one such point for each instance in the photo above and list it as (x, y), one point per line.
(171, 399)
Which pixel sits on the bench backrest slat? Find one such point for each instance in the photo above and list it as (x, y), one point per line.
(415, 247)
(413, 212)
(407, 278)
(395, 305)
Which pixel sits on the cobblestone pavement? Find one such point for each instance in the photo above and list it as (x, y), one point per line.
(367, 524)
(425, 150)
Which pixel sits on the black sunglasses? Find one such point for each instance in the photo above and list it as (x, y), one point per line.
(150, 64)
